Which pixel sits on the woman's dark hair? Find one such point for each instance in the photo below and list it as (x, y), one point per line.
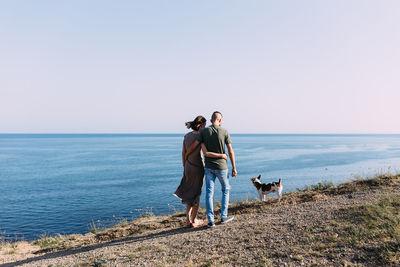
(196, 123)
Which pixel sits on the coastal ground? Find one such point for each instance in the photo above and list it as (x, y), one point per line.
(353, 224)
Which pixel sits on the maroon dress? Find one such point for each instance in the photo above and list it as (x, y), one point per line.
(189, 190)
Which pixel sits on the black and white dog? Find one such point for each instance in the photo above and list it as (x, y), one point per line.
(264, 189)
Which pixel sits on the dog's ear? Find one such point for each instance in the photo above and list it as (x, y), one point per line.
(259, 176)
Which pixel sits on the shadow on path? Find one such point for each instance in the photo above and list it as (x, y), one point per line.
(118, 242)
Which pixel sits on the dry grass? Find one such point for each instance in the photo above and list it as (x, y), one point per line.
(323, 190)
(374, 230)
(362, 235)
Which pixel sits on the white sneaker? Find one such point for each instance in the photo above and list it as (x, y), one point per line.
(211, 225)
(227, 219)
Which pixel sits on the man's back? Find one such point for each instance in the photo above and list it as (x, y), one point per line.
(215, 138)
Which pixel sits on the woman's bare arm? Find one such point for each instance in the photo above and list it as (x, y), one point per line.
(212, 154)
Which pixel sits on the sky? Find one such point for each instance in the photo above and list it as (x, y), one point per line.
(150, 66)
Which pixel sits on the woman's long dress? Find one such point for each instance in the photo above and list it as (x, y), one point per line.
(189, 190)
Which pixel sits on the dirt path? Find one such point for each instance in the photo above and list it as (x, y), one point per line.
(273, 234)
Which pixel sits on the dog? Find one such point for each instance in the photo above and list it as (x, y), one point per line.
(264, 189)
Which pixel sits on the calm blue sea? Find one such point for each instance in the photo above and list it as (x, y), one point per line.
(60, 183)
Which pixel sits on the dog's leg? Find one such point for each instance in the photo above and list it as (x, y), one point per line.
(261, 196)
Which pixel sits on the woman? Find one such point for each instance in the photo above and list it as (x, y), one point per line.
(189, 190)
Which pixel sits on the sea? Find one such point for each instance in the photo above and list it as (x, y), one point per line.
(66, 183)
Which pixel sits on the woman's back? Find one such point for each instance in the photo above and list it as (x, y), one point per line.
(195, 157)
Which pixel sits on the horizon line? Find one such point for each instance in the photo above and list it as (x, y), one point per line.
(177, 133)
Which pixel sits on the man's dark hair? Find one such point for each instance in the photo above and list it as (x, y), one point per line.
(214, 115)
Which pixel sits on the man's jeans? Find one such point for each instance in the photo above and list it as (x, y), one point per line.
(222, 176)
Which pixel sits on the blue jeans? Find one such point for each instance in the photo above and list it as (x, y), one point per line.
(222, 176)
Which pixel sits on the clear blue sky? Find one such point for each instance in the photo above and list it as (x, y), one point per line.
(149, 66)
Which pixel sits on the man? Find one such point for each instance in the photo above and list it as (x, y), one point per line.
(215, 138)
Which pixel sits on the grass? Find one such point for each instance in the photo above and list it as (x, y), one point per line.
(374, 229)
(146, 213)
(320, 186)
(95, 227)
(371, 232)
(9, 245)
(49, 243)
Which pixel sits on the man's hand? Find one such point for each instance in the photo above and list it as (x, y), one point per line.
(192, 148)
(224, 156)
(232, 157)
(234, 172)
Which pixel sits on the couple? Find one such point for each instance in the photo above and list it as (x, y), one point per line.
(212, 141)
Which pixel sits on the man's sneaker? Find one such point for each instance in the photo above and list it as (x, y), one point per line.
(211, 225)
(227, 219)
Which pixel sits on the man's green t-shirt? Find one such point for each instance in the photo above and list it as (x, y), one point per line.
(214, 138)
